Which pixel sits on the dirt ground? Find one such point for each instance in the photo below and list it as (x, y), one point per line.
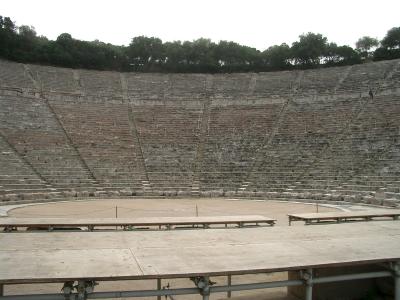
(169, 208)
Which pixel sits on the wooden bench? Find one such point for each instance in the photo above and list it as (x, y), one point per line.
(317, 218)
(50, 224)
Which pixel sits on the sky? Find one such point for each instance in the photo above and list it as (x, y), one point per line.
(255, 23)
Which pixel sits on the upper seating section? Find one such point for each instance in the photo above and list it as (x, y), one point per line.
(14, 76)
(53, 79)
(312, 134)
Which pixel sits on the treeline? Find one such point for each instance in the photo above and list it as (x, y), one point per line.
(150, 54)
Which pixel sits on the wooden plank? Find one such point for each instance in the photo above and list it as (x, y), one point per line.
(62, 265)
(151, 221)
(391, 213)
(61, 256)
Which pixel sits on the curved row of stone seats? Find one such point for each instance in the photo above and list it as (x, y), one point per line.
(235, 135)
(28, 124)
(103, 137)
(146, 86)
(169, 136)
(14, 76)
(276, 85)
(30, 127)
(366, 76)
(177, 87)
(17, 178)
(52, 79)
(321, 82)
(313, 134)
(99, 84)
(350, 151)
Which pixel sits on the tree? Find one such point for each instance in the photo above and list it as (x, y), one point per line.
(146, 52)
(341, 55)
(7, 24)
(310, 49)
(277, 57)
(392, 39)
(64, 39)
(390, 45)
(150, 54)
(364, 46)
(27, 32)
(8, 38)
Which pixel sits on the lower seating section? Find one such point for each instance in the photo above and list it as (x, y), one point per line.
(357, 162)
(169, 137)
(101, 134)
(18, 181)
(235, 135)
(29, 125)
(306, 133)
(313, 135)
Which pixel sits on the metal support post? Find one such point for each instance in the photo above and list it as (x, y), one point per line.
(80, 288)
(158, 287)
(84, 288)
(229, 293)
(67, 289)
(307, 277)
(203, 284)
(395, 267)
(1, 290)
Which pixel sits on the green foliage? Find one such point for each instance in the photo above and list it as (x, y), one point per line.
(310, 49)
(392, 39)
(277, 57)
(390, 45)
(364, 46)
(146, 53)
(341, 55)
(150, 54)
(366, 43)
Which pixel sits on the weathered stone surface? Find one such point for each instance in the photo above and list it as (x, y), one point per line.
(313, 135)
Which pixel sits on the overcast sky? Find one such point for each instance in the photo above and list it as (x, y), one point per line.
(255, 23)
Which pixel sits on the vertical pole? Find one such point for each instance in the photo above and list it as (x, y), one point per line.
(159, 287)
(309, 285)
(229, 293)
(308, 292)
(116, 215)
(197, 211)
(204, 285)
(396, 276)
(1, 290)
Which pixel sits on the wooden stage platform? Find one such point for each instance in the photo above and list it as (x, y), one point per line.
(35, 257)
(10, 224)
(368, 215)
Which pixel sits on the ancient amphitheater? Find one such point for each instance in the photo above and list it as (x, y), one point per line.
(329, 136)
(303, 135)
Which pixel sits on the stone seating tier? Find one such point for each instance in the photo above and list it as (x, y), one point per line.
(313, 134)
